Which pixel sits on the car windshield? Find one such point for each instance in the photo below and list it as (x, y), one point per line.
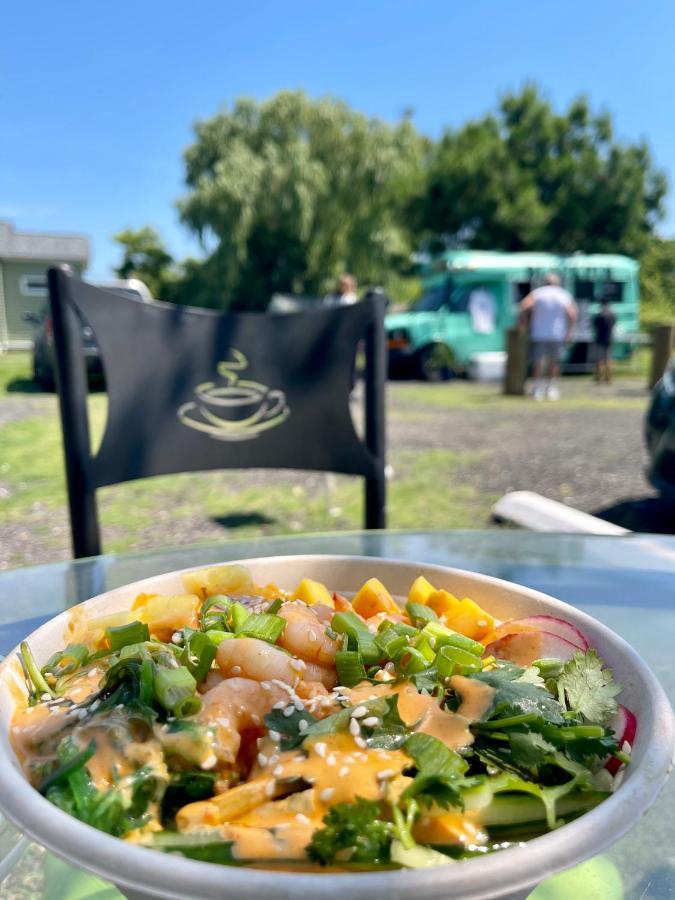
(432, 300)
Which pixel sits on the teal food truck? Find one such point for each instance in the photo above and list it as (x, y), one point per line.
(471, 297)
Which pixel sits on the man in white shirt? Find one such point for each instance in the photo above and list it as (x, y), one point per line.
(551, 312)
(344, 294)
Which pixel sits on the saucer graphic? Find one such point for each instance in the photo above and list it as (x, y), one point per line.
(237, 411)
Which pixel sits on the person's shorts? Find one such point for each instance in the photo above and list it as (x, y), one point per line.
(547, 351)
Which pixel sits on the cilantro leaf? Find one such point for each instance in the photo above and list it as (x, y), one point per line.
(439, 772)
(388, 734)
(515, 696)
(289, 726)
(587, 688)
(352, 832)
(392, 732)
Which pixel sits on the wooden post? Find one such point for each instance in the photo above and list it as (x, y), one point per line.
(516, 361)
(663, 338)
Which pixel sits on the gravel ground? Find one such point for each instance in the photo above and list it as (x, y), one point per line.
(589, 458)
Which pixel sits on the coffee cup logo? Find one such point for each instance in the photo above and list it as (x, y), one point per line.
(238, 410)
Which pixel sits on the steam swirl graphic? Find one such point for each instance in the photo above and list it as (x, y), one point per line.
(237, 411)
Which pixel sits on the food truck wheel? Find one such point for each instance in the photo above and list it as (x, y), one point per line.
(434, 363)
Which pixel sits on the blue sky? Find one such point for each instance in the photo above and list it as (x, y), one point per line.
(97, 100)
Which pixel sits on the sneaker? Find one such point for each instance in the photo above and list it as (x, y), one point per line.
(538, 393)
(553, 393)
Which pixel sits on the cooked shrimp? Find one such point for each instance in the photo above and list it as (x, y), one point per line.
(305, 634)
(256, 659)
(235, 706)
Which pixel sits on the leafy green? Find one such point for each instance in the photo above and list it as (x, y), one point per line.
(587, 688)
(515, 696)
(288, 727)
(352, 832)
(206, 846)
(122, 808)
(439, 771)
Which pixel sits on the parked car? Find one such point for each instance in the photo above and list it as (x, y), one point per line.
(43, 339)
(660, 434)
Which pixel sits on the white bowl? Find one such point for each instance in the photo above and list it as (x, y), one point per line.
(509, 875)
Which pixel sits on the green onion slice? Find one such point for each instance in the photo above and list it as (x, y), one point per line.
(133, 633)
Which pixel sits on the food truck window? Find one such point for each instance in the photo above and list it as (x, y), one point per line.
(520, 290)
(610, 290)
(583, 290)
(432, 300)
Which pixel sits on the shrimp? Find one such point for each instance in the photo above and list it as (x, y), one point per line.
(305, 634)
(234, 707)
(260, 661)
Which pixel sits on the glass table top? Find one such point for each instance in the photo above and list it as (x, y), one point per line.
(626, 582)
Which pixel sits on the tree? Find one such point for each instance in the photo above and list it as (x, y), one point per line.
(290, 192)
(529, 178)
(657, 281)
(145, 257)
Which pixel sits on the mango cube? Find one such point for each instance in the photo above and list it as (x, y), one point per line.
(218, 580)
(374, 598)
(420, 590)
(313, 592)
(164, 614)
(442, 603)
(470, 619)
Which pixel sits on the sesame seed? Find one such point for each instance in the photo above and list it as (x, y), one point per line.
(298, 665)
(302, 726)
(626, 747)
(320, 749)
(371, 721)
(262, 759)
(360, 742)
(269, 789)
(343, 771)
(274, 759)
(354, 727)
(299, 705)
(311, 635)
(330, 759)
(301, 820)
(326, 794)
(236, 670)
(289, 711)
(274, 736)
(278, 771)
(279, 704)
(385, 774)
(265, 685)
(359, 712)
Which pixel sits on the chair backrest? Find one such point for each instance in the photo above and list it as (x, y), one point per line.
(192, 389)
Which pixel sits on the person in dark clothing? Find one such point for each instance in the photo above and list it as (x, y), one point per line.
(603, 327)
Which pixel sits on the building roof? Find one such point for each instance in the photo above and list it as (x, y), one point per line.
(48, 247)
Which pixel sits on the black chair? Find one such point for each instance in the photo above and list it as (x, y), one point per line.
(192, 389)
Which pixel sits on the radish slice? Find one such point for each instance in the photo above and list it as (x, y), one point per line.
(553, 625)
(527, 646)
(624, 726)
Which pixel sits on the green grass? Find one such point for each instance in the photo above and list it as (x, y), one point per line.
(577, 393)
(428, 490)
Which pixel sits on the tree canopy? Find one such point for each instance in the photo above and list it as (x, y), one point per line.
(292, 191)
(528, 178)
(286, 193)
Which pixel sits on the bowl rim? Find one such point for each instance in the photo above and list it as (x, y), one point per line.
(177, 877)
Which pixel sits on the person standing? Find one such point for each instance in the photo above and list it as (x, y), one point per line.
(603, 328)
(551, 313)
(344, 293)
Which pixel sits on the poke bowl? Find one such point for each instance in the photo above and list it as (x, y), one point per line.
(465, 737)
